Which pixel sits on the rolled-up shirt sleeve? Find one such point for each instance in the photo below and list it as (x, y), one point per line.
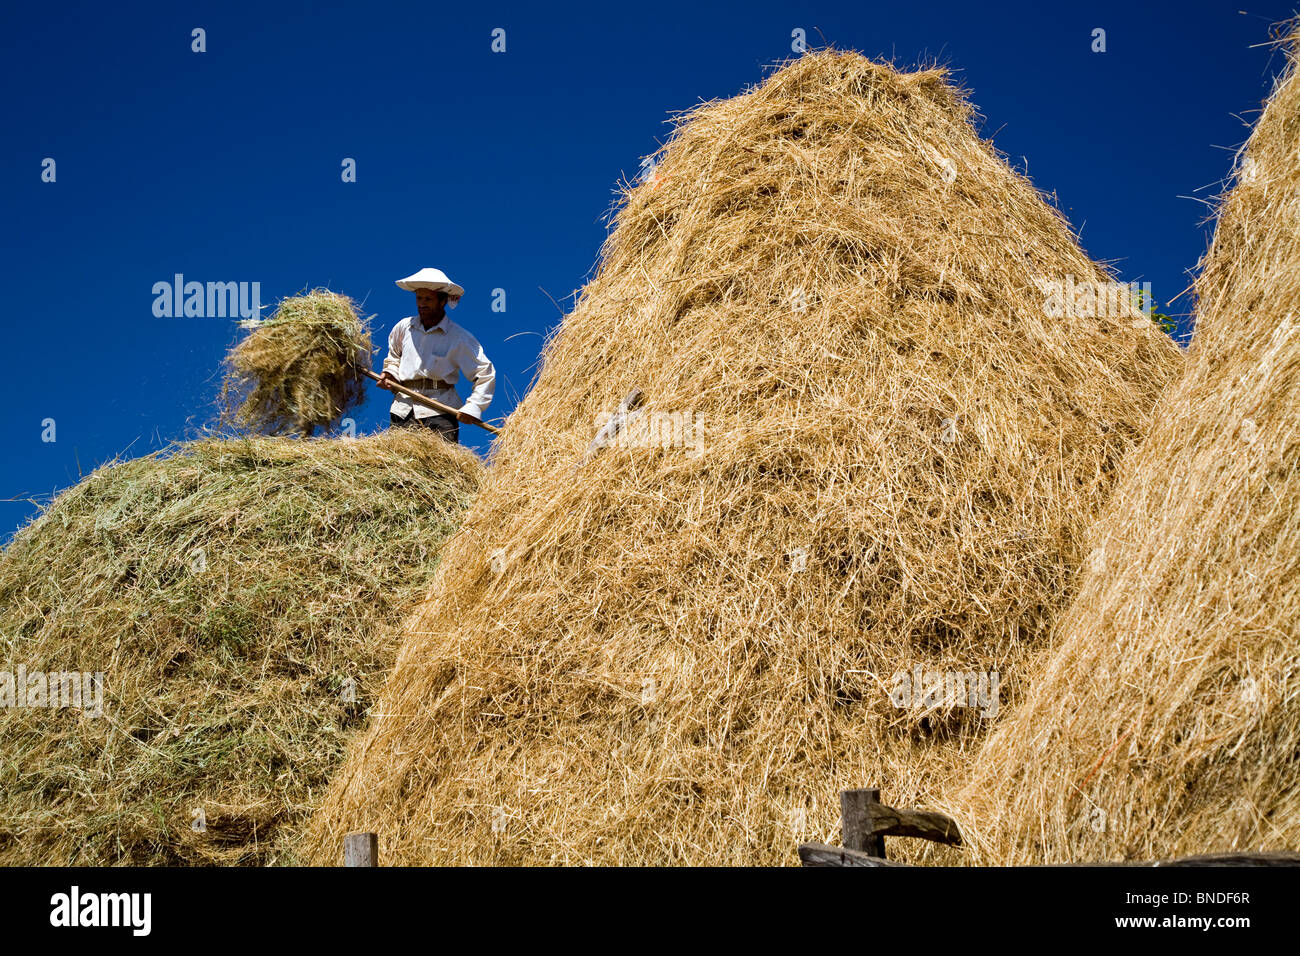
(475, 366)
(393, 361)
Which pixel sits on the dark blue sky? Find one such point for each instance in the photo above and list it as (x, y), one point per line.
(496, 167)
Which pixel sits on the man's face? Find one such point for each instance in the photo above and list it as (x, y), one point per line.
(432, 305)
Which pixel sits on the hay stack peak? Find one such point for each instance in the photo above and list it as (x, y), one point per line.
(1165, 722)
(866, 445)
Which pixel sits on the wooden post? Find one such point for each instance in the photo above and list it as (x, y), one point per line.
(361, 849)
(857, 809)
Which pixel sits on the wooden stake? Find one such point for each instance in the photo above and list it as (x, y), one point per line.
(627, 411)
(361, 849)
(857, 809)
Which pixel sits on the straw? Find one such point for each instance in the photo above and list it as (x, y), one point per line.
(866, 445)
(1166, 721)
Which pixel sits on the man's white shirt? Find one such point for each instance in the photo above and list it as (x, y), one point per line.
(442, 353)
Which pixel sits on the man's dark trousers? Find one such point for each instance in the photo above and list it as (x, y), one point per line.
(444, 425)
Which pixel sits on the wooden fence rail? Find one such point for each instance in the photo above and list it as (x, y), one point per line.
(867, 821)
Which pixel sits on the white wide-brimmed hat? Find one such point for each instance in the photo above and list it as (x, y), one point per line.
(434, 279)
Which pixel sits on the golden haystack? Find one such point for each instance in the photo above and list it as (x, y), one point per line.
(1165, 723)
(239, 599)
(864, 446)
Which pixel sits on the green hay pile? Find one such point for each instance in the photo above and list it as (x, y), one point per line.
(228, 590)
(299, 369)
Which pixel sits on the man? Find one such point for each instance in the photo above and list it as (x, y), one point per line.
(427, 353)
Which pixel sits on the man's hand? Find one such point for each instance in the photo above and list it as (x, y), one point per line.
(386, 381)
(467, 419)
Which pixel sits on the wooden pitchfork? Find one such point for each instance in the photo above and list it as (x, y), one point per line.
(428, 402)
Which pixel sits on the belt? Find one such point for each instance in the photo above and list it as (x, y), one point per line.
(428, 383)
